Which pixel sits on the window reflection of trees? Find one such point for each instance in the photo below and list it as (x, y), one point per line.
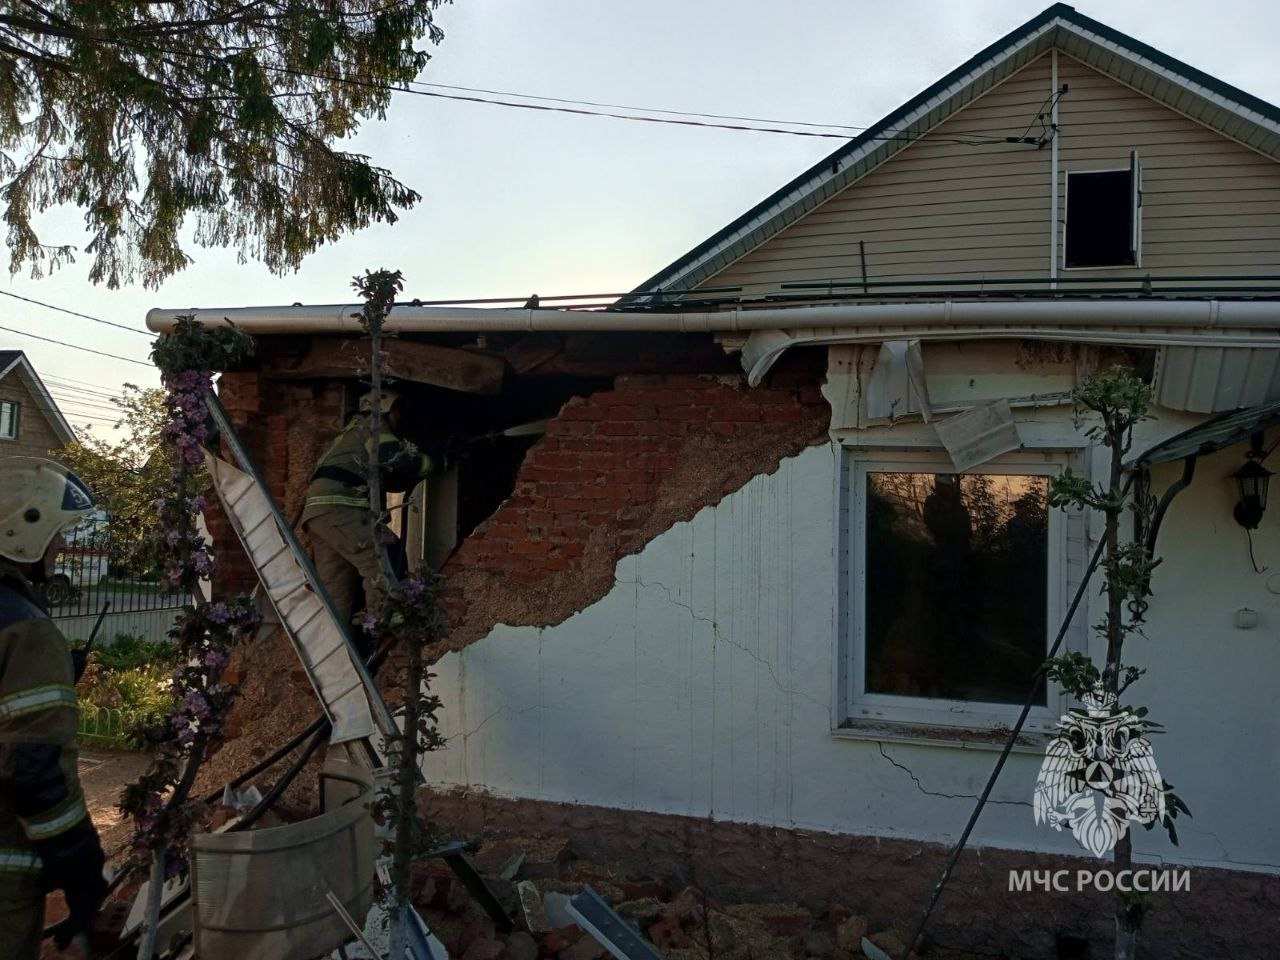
(956, 584)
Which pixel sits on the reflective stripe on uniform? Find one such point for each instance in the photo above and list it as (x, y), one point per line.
(19, 861)
(35, 699)
(58, 820)
(336, 500)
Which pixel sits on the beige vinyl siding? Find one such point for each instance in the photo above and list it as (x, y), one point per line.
(36, 437)
(942, 208)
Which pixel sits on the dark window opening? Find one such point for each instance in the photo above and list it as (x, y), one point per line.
(1104, 217)
(956, 586)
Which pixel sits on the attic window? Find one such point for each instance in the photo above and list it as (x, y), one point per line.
(9, 420)
(1104, 217)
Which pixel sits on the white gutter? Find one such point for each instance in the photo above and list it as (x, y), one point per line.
(773, 330)
(406, 318)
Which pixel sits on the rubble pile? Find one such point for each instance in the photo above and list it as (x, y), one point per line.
(533, 876)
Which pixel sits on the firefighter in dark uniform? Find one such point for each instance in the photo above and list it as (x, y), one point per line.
(336, 514)
(47, 841)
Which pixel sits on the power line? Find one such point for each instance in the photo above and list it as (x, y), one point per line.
(76, 313)
(62, 398)
(75, 346)
(83, 391)
(624, 106)
(581, 111)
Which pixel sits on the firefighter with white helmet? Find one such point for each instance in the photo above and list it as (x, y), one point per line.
(47, 841)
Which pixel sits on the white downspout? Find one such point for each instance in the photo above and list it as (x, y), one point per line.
(1053, 171)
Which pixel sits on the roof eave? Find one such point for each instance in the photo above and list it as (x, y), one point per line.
(1202, 97)
(43, 398)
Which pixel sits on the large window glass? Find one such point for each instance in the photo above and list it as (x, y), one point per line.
(956, 585)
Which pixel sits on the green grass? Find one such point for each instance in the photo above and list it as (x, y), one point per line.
(125, 685)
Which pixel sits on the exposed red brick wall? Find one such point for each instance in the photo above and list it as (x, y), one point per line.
(615, 469)
(285, 427)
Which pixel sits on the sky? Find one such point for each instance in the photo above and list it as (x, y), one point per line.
(518, 202)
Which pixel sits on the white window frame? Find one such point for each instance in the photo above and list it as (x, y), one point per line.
(857, 707)
(17, 419)
(1135, 199)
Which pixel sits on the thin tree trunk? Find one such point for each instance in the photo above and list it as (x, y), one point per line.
(151, 919)
(375, 432)
(406, 791)
(1127, 921)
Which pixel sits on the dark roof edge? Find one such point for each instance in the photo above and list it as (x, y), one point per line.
(1067, 13)
(1185, 70)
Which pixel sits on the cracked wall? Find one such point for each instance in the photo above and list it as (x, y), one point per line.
(614, 470)
(700, 684)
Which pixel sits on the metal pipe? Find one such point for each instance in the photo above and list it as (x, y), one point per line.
(1053, 170)
(406, 318)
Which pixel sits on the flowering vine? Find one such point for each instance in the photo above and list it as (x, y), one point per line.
(413, 619)
(162, 817)
(203, 633)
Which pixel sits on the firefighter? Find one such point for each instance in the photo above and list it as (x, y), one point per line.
(47, 841)
(336, 514)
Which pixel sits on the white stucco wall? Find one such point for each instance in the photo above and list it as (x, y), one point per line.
(701, 684)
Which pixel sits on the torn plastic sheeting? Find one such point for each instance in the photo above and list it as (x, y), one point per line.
(979, 435)
(310, 627)
(897, 386)
(761, 351)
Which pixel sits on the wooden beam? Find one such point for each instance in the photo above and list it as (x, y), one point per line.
(343, 358)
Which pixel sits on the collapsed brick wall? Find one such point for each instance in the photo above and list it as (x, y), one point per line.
(613, 471)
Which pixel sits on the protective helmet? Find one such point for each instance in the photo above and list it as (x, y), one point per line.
(389, 397)
(38, 500)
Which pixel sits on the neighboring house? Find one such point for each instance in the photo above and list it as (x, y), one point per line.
(701, 609)
(30, 422)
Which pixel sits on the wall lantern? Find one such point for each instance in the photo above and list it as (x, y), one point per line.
(1252, 480)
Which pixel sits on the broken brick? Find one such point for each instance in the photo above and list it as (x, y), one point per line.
(483, 948)
(521, 946)
(667, 933)
(849, 935)
(585, 949)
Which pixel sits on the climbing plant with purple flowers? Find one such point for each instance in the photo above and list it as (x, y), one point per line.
(203, 633)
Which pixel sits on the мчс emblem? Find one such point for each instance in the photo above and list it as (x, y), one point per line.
(1099, 773)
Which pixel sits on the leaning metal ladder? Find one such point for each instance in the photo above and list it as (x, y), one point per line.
(381, 713)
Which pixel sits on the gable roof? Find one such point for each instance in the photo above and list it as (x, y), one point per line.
(16, 361)
(1206, 99)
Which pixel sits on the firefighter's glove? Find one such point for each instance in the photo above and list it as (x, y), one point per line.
(72, 863)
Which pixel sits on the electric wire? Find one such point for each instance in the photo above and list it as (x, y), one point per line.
(76, 313)
(560, 105)
(87, 383)
(75, 346)
(85, 404)
(626, 106)
(79, 391)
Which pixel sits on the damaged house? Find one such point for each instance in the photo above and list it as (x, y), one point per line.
(734, 596)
